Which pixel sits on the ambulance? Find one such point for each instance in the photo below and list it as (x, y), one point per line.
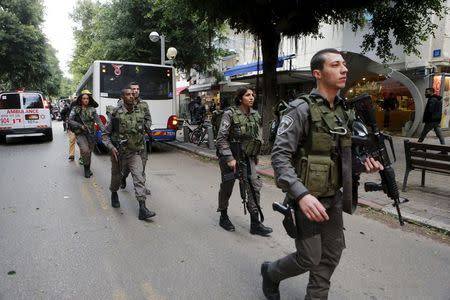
(24, 113)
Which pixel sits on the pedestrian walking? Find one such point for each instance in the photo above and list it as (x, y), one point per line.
(124, 137)
(142, 105)
(432, 116)
(389, 104)
(82, 120)
(71, 134)
(239, 132)
(306, 159)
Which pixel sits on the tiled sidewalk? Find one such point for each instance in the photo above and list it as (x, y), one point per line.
(429, 205)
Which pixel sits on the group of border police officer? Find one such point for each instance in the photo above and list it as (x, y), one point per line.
(307, 158)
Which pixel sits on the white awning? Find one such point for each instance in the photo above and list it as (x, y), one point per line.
(199, 87)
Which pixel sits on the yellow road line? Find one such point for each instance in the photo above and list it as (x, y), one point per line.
(119, 295)
(151, 293)
(86, 196)
(100, 195)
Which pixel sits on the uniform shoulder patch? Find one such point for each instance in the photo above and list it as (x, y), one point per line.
(285, 123)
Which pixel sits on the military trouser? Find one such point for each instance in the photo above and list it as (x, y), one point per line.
(144, 158)
(228, 179)
(72, 140)
(319, 254)
(133, 163)
(86, 143)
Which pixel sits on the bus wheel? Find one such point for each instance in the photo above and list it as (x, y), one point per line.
(2, 139)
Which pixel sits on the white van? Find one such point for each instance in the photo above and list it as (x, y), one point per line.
(24, 113)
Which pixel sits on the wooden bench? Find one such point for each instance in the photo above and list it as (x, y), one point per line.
(426, 157)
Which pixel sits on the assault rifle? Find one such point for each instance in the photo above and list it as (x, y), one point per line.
(371, 143)
(243, 175)
(120, 148)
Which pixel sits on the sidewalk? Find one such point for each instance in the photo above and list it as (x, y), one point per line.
(428, 205)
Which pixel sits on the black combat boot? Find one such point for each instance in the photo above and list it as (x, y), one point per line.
(115, 200)
(270, 288)
(144, 212)
(87, 171)
(225, 222)
(123, 182)
(256, 227)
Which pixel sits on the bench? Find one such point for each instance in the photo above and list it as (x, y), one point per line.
(426, 157)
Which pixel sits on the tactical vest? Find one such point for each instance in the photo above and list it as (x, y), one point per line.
(84, 117)
(245, 129)
(129, 126)
(317, 162)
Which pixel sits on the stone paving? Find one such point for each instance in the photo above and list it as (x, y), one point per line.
(428, 205)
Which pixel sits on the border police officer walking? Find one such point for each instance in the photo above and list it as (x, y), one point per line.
(142, 105)
(82, 119)
(240, 128)
(124, 137)
(306, 159)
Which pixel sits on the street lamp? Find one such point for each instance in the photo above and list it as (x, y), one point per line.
(154, 37)
(171, 52)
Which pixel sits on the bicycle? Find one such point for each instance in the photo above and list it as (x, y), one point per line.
(200, 134)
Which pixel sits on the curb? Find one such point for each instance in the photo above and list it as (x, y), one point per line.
(361, 202)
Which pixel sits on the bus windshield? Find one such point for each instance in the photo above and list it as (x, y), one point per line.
(155, 83)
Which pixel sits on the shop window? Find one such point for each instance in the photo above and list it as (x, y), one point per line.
(393, 103)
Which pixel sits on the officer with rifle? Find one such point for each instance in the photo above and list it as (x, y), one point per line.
(134, 86)
(238, 146)
(82, 121)
(311, 150)
(124, 137)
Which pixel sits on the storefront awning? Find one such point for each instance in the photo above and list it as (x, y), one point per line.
(180, 89)
(199, 87)
(253, 67)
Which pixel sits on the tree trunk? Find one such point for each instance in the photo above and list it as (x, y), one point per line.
(270, 42)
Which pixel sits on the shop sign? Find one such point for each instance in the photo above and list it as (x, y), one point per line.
(437, 53)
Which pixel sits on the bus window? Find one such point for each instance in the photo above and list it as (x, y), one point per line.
(156, 83)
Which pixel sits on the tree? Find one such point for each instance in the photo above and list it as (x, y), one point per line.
(407, 22)
(119, 30)
(27, 59)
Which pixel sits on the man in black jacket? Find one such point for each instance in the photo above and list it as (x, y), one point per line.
(432, 116)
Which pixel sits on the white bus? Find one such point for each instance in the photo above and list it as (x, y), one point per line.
(106, 79)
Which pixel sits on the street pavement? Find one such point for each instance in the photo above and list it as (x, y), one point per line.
(61, 239)
(428, 205)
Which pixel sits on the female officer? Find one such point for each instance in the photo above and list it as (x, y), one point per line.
(239, 133)
(82, 121)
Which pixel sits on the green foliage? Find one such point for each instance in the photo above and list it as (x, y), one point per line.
(28, 61)
(119, 30)
(407, 23)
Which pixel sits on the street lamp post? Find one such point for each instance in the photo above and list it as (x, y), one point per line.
(154, 37)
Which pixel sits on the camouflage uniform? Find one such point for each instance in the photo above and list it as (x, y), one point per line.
(129, 126)
(85, 138)
(142, 105)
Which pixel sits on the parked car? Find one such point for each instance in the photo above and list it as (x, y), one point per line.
(24, 113)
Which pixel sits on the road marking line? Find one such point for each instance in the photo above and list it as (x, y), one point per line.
(151, 293)
(100, 195)
(86, 196)
(119, 295)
